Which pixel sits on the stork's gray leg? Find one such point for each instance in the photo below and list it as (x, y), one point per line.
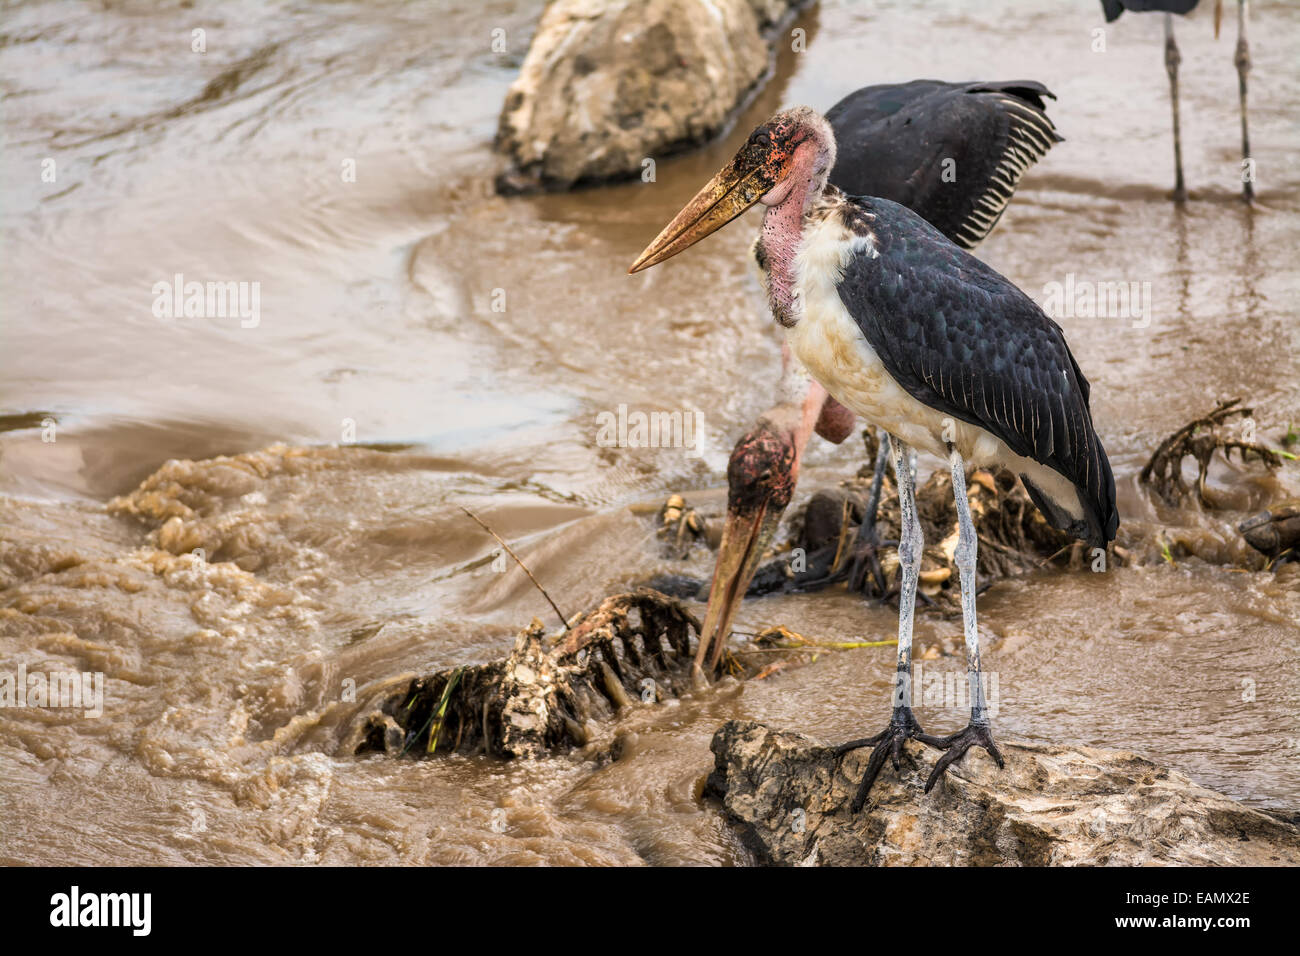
(910, 545)
(1172, 59)
(978, 732)
(902, 724)
(1242, 61)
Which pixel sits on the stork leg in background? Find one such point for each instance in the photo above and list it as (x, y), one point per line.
(902, 724)
(1172, 59)
(865, 545)
(978, 732)
(1242, 61)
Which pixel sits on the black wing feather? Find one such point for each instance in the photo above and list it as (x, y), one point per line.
(893, 139)
(961, 338)
(1113, 8)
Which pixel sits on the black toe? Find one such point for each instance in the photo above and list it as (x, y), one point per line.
(956, 745)
(888, 742)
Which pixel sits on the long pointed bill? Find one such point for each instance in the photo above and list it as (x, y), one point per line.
(745, 538)
(740, 184)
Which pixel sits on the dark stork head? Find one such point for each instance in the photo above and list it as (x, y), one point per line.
(761, 478)
(789, 156)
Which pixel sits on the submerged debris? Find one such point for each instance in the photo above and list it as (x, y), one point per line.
(781, 636)
(1199, 440)
(823, 547)
(539, 699)
(680, 524)
(1275, 532)
(1013, 534)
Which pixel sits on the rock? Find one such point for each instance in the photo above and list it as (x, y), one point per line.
(607, 84)
(1052, 805)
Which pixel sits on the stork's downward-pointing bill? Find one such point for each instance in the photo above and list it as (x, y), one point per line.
(750, 526)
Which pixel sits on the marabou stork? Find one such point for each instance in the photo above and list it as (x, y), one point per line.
(951, 152)
(1241, 59)
(917, 336)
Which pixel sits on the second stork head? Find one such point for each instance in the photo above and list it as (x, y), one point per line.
(761, 477)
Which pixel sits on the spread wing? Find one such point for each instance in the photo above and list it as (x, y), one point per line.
(907, 142)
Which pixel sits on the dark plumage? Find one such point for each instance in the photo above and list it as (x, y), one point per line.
(962, 339)
(1113, 8)
(894, 138)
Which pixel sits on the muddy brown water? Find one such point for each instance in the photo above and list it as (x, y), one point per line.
(400, 393)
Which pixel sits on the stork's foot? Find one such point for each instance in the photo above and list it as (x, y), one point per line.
(889, 742)
(956, 745)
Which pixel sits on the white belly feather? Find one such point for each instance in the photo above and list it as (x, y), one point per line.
(828, 342)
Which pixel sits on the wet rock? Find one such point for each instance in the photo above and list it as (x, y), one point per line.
(1050, 806)
(606, 85)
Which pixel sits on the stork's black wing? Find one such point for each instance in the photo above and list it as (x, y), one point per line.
(893, 141)
(961, 338)
(1113, 8)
